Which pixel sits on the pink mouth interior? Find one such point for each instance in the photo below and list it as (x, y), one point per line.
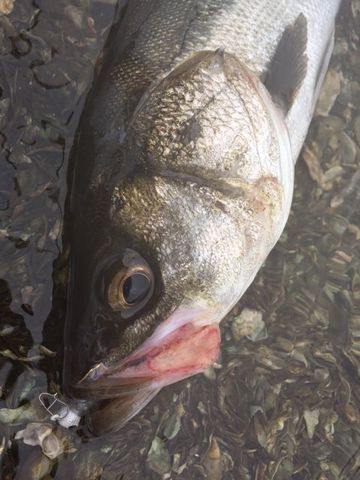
(185, 351)
(166, 357)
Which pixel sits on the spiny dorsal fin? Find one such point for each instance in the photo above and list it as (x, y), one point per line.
(288, 66)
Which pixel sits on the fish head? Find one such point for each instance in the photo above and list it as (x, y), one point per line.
(182, 233)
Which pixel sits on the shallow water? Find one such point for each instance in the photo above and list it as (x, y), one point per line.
(283, 401)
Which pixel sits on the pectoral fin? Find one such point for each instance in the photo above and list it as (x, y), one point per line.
(288, 67)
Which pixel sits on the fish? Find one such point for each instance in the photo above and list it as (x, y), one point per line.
(181, 186)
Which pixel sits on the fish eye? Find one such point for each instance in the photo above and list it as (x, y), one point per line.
(135, 288)
(132, 286)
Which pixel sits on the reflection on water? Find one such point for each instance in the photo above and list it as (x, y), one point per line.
(284, 399)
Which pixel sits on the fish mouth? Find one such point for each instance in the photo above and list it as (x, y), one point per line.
(183, 345)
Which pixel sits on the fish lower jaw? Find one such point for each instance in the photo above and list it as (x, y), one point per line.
(188, 350)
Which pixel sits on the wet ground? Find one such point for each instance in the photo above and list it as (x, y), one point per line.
(283, 401)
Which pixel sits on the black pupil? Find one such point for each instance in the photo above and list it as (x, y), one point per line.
(135, 288)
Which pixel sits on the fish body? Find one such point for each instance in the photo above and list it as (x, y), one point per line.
(183, 182)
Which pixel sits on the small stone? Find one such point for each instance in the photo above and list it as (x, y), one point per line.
(6, 6)
(352, 413)
(158, 457)
(357, 129)
(174, 423)
(213, 462)
(210, 374)
(248, 324)
(4, 107)
(34, 433)
(312, 161)
(333, 173)
(75, 14)
(349, 96)
(52, 447)
(329, 92)
(355, 7)
(348, 149)
(311, 418)
(14, 416)
(44, 436)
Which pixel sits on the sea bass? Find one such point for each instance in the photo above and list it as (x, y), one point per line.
(183, 180)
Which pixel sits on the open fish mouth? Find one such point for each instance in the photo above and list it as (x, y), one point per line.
(185, 344)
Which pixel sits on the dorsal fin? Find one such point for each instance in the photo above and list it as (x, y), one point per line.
(288, 66)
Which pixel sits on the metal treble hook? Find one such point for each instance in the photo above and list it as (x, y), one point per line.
(56, 408)
(59, 411)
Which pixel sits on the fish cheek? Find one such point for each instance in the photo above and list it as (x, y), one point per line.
(121, 328)
(92, 329)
